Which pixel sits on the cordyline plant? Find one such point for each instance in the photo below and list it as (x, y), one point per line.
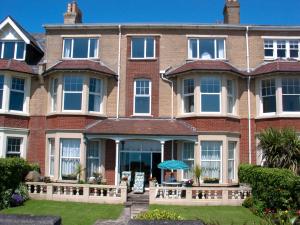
(280, 148)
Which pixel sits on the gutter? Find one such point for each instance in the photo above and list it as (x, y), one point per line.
(119, 72)
(249, 97)
(162, 75)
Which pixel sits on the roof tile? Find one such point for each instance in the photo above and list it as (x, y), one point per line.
(15, 65)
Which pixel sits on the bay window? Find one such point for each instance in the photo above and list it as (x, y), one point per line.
(281, 49)
(188, 158)
(69, 158)
(188, 95)
(231, 161)
(211, 159)
(205, 48)
(95, 95)
(80, 48)
(230, 96)
(143, 47)
(142, 96)
(13, 148)
(72, 96)
(1, 90)
(291, 94)
(12, 50)
(210, 94)
(17, 94)
(268, 94)
(54, 87)
(93, 158)
(51, 149)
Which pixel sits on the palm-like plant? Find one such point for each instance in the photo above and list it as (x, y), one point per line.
(197, 173)
(280, 148)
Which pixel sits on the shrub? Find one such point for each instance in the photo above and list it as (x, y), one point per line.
(157, 214)
(271, 187)
(248, 203)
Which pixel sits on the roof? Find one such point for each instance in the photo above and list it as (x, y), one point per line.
(15, 65)
(205, 65)
(134, 126)
(86, 65)
(277, 66)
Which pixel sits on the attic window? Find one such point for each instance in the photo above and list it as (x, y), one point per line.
(12, 50)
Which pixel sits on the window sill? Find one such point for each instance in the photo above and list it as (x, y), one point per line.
(282, 115)
(143, 59)
(15, 113)
(191, 60)
(75, 113)
(283, 59)
(142, 116)
(208, 115)
(95, 59)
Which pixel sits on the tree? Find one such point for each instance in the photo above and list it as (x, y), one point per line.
(280, 148)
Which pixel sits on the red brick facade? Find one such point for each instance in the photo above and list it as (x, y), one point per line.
(14, 121)
(61, 122)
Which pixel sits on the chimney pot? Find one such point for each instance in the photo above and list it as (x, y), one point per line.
(232, 12)
(73, 14)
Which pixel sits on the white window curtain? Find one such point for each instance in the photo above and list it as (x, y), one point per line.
(93, 158)
(70, 157)
(231, 155)
(67, 48)
(211, 159)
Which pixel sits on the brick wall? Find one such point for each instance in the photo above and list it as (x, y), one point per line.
(110, 157)
(14, 121)
(70, 121)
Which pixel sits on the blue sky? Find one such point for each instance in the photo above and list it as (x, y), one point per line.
(32, 14)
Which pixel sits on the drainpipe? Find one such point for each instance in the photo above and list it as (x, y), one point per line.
(249, 95)
(119, 71)
(162, 75)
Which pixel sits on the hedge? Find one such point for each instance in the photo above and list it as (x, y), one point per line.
(272, 187)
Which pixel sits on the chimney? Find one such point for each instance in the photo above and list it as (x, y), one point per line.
(73, 14)
(232, 12)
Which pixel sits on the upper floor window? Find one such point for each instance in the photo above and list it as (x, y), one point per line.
(291, 94)
(142, 97)
(80, 48)
(13, 148)
(281, 49)
(95, 95)
(230, 96)
(1, 90)
(54, 87)
(268, 94)
(201, 48)
(143, 48)
(12, 50)
(17, 94)
(188, 95)
(210, 94)
(72, 96)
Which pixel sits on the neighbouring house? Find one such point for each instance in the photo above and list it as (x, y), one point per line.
(124, 97)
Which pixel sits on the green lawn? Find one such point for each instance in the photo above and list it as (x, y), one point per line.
(71, 213)
(223, 215)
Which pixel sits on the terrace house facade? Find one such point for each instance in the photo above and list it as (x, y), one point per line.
(125, 97)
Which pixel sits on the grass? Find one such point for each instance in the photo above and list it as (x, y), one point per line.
(71, 213)
(224, 215)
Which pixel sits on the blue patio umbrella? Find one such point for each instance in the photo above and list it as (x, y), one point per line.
(173, 165)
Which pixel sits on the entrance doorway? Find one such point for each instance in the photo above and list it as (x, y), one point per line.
(140, 156)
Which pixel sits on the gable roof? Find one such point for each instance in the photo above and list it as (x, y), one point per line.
(204, 65)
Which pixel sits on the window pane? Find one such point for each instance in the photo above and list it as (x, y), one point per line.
(193, 48)
(291, 103)
(54, 86)
(188, 104)
(70, 153)
(94, 103)
(20, 50)
(230, 96)
(95, 85)
(93, 48)
(210, 103)
(72, 101)
(220, 49)
(188, 86)
(73, 83)
(13, 147)
(142, 104)
(16, 101)
(93, 158)
(80, 48)
(281, 49)
(150, 47)
(51, 156)
(138, 47)
(211, 159)
(207, 49)
(1, 90)
(9, 50)
(67, 48)
(269, 104)
(269, 95)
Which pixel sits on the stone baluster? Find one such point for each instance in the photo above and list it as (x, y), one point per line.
(101, 192)
(216, 195)
(203, 194)
(35, 189)
(209, 194)
(77, 190)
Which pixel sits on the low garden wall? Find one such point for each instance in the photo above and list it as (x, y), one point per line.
(78, 192)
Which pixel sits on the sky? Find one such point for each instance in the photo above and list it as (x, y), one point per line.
(32, 14)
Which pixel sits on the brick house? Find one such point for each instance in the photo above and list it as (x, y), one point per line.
(125, 97)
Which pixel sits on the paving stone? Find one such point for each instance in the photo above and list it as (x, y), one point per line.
(29, 220)
(144, 222)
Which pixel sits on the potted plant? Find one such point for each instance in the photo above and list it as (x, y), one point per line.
(197, 173)
(209, 180)
(78, 171)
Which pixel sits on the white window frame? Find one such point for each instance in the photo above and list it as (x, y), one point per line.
(19, 91)
(142, 95)
(287, 48)
(60, 154)
(99, 158)
(187, 159)
(145, 48)
(51, 156)
(74, 92)
(220, 95)
(190, 54)
(261, 98)
(21, 145)
(221, 158)
(97, 94)
(15, 51)
(72, 48)
(3, 93)
(231, 95)
(54, 94)
(232, 159)
(281, 96)
(184, 95)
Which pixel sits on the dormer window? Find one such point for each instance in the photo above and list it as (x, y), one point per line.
(12, 50)
(206, 48)
(80, 48)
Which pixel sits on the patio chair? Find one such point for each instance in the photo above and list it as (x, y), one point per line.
(139, 181)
